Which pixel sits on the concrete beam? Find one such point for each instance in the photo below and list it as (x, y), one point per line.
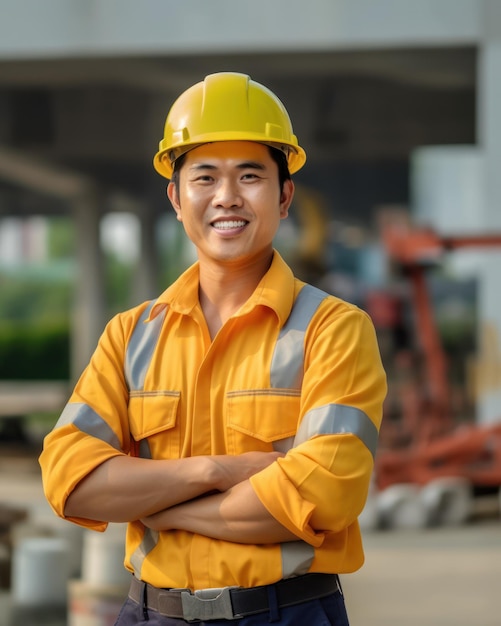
(17, 169)
(124, 27)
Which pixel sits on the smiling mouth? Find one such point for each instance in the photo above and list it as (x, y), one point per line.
(229, 224)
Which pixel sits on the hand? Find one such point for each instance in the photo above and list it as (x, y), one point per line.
(226, 472)
(231, 470)
(236, 515)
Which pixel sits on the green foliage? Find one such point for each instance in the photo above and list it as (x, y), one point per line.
(61, 238)
(118, 284)
(34, 352)
(34, 300)
(35, 305)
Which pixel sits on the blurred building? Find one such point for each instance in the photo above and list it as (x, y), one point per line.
(373, 89)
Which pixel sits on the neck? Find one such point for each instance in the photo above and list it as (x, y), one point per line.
(224, 288)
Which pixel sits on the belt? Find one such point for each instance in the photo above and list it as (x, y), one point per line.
(231, 602)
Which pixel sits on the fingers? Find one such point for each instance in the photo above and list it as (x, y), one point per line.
(235, 469)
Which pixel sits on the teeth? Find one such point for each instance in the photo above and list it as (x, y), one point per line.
(229, 224)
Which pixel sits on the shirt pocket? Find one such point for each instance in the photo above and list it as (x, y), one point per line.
(262, 420)
(153, 419)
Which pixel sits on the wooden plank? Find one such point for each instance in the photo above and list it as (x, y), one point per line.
(19, 398)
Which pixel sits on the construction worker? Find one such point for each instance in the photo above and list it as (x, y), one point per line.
(232, 422)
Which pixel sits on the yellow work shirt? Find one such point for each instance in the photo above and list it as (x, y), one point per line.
(294, 370)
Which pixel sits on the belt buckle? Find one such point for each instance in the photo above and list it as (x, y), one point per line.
(207, 604)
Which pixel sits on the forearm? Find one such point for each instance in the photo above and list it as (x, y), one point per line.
(236, 515)
(124, 488)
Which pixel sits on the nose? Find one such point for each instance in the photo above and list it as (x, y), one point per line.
(227, 194)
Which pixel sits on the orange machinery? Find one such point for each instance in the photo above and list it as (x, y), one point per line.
(436, 447)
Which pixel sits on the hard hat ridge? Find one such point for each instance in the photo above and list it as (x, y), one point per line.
(226, 106)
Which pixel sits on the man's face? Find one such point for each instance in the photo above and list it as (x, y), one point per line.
(229, 200)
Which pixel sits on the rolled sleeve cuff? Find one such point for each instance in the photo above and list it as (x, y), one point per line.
(282, 500)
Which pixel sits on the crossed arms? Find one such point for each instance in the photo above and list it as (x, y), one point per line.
(208, 495)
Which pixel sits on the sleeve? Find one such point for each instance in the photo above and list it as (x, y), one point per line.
(321, 485)
(93, 426)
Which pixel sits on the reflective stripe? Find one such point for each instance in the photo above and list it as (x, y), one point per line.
(333, 419)
(89, 422)
(149, 541)
(141, 346)
(287, 364)
(297, 557)
(283, 445)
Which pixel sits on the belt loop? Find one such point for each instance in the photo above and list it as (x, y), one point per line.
(273, 604)
(144, 602)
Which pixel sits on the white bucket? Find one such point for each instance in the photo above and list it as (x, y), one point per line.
(40, 572)
(103, 557)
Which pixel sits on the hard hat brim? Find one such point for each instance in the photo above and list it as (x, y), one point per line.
(296, 156)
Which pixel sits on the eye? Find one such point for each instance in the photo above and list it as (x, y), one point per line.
(250, 176)
(203, 178)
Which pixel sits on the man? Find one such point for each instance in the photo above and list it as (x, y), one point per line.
(233, 421)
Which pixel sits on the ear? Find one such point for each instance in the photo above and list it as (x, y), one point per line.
(286, 198)
(174, 199)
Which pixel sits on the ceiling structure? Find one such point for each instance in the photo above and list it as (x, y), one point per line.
(359, 115)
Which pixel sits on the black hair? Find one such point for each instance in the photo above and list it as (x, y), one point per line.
(280, 159)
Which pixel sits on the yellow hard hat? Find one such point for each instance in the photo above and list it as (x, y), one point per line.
(227, 106)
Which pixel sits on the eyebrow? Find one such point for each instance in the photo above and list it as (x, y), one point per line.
(244, 165)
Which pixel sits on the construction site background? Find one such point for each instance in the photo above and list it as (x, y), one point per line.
(397, 210)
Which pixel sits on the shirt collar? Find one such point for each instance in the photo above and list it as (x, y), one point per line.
(275, 291)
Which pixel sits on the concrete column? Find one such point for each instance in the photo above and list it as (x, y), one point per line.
(146, 279)
(489, 135)
(89, 313)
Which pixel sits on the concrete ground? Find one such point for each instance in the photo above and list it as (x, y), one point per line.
(437, 577)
